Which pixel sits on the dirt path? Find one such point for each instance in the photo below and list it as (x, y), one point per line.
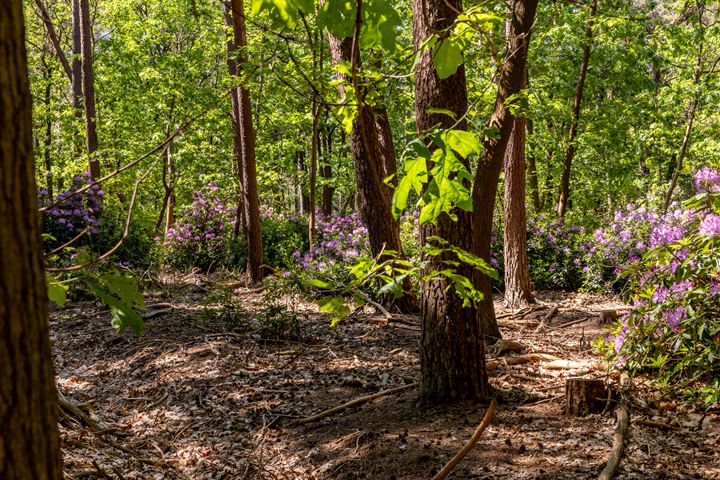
(202, 396)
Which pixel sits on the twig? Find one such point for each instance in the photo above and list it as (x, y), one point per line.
(375, 304)
(623, 420)
(352, 403)
(445, 471)
(547, 318)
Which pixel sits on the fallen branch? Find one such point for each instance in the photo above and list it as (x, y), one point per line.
(352, 403)
(531, 357)
(445, 471)
(378, 307)
(574, 322)
(623, 421)
(73, 410)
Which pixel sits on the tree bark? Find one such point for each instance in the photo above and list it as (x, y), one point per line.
(29, 438)
(532, 172)
(577, 102)
(452, 353)
(249, 169)
(518, 291)
(373, 154)
(77, 89)
(240, 225)
(314, 139)
(326, 174)
(487, 175)
(88, 84)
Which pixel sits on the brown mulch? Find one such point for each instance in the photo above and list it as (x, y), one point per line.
(203, 396)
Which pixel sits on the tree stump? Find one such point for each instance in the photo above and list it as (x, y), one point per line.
(584, 396)
(608, 316)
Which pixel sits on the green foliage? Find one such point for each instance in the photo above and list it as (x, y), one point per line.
(282, 237)
(224, 306)
(446, 184)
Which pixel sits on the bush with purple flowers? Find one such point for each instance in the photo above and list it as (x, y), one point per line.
(340, 241)
(71, 214)
(202, 235)
(674, 324)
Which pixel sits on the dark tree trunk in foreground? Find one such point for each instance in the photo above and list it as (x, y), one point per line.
(251, 198)
(88, 85)
(577, 102)
(518, 291)
(452, 354)
(29, 439)
(487, 174)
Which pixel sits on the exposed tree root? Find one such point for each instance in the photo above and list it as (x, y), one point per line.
(352, 403)
(445, 471)
(623, 421)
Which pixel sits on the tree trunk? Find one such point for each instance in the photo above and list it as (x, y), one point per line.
(302, 170)
(452, 353)
(251, 198)
(370, 159)
(487, 174)
(52, 35)
(77, 89)
(518, 291)
(532, 172)
(29, 438)
(240, 225)
(326, 174)
(47, 143)
(88, 84)
(572, 134)
(314, 139)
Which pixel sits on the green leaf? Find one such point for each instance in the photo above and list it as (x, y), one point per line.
(447, 57)
(315, 282)
(282, 13)
(464, 143)
(57, 292)
(123, 315)
(335, 307)
(414, 179)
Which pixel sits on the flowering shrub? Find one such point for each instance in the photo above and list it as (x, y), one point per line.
(674, 324)
(554, 254)
(282, 235)
(73, 213)
(339, 241)
(202, 235)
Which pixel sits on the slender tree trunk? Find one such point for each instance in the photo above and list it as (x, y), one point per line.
(88, 83)
(249, 169)
(29, 439)
(314, 138)
(303, 170)
(487, 174)
(532, 172)
(240, 225)
(518, 291)
(452, 353)
(572, 134)
(52, 35)
(47, 143)
(77, 89)
(326, 174)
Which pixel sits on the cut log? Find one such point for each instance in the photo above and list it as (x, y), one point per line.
(608, 316)
(584, 396)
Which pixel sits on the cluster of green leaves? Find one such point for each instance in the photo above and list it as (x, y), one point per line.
(446, 185)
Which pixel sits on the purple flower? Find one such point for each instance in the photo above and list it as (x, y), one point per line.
(710, 225)
(707, 180)
(674, 317)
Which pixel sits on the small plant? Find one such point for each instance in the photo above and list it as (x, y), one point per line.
(223, 306)
(279, 318)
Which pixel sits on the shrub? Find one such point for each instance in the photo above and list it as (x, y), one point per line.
(283, 235)
(202, 235)
(673, 327)
(73, 213)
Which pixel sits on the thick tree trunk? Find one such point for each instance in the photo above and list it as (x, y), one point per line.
(373, 154)
(88, 84)
(577, 102)
(487, 174)
(518, 291)
(249, 170)
(29, 439)
(452, 353)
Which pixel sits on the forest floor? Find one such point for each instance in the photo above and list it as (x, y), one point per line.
(202, 395)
